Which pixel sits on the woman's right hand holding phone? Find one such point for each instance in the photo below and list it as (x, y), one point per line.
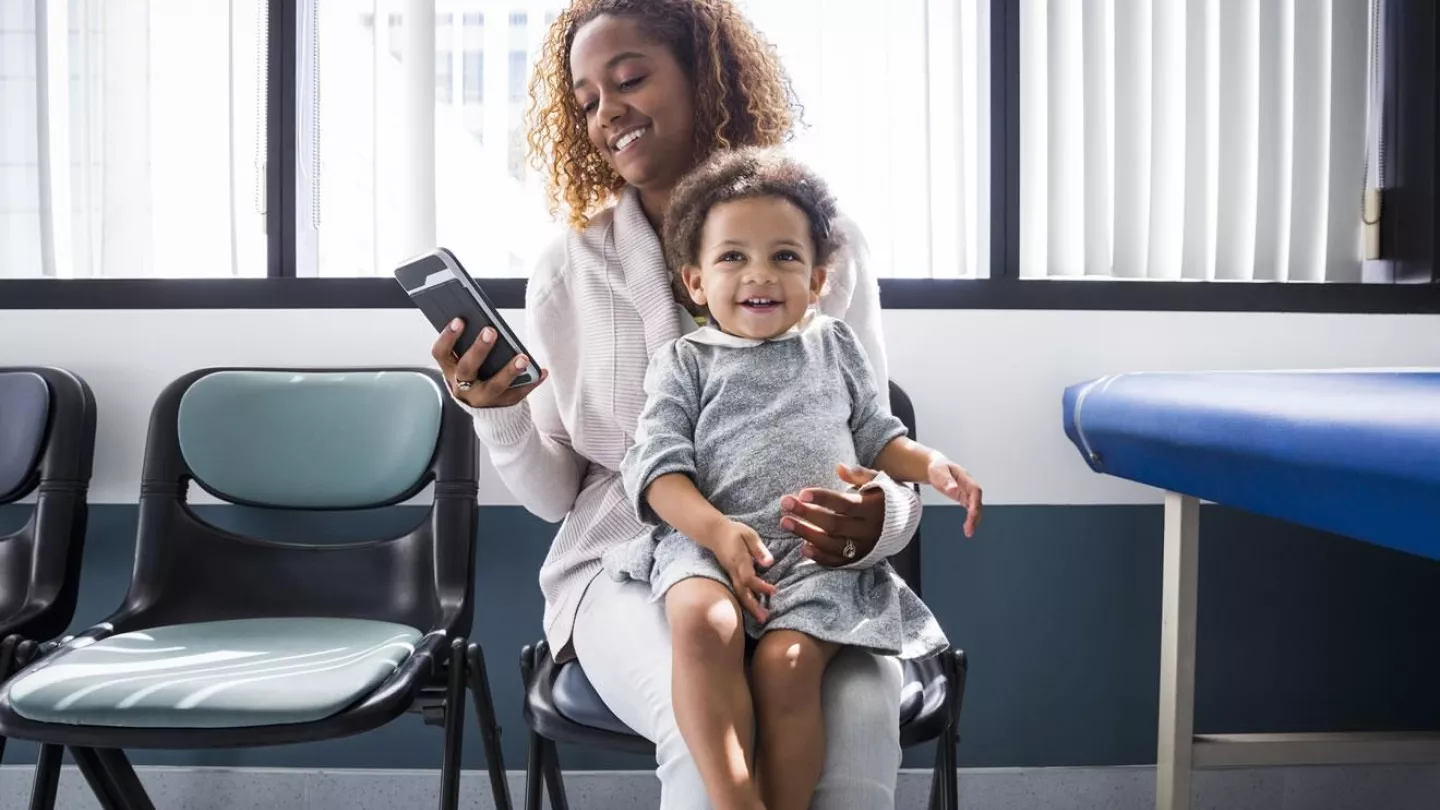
(492, 393)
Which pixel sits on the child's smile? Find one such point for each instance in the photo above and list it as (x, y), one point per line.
(756, 273)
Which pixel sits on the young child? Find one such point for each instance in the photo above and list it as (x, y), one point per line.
(763, 400)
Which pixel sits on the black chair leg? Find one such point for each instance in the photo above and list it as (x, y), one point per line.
(7, 668)
(948, 764)
(454, 728)
(47, 778)
(534, 773)
(489, 727)
(95, 776)
(554, 782)
(117, 766)
(944, 785)
(936, 776)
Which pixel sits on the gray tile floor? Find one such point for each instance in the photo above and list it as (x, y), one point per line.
(1327, 788)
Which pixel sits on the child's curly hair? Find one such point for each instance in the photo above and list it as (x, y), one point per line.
(744, 173)
(742, 95)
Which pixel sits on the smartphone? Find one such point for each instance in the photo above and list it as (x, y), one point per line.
(442, 290)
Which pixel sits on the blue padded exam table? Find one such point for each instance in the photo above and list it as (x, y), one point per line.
(1353, 452)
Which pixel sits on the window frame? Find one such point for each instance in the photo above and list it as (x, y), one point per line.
(1402, 293)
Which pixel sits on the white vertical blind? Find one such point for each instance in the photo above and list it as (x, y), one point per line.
(895, 98)
(1194, 139)
(129, 131)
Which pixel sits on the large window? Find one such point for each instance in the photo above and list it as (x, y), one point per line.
(402, 168)
(132, 139)
(1015, 142)
(899, 132)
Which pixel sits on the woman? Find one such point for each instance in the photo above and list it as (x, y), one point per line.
(628, 96)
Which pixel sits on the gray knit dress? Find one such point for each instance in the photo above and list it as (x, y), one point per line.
(750, 421)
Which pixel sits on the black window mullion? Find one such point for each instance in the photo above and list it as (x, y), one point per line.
(1004, 140)
(1410, 222)
(280, 129)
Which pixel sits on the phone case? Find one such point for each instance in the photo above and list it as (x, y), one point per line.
(443, 291)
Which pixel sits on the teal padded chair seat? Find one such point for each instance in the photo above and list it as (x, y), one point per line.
(225, 674)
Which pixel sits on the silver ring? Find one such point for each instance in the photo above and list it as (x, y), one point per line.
(848, 550)
(463, 385)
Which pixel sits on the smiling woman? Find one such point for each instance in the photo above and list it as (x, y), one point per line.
(634, 93)
(629, 96)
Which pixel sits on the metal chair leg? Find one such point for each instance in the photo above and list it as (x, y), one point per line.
(554, 782)
(454, 728)
(489, 727)
(7, 668)
(18, 653)
(47, 778)
(96, 776)
(936, 775)
(949, 779)
(956, 668)
(534, 770)
(122, 777)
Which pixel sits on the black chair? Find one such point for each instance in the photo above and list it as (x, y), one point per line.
(226, 640)
(562, 706)
(47, 445)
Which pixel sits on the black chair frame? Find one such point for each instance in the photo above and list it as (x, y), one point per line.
(188, 571)
(938, 718)
(40, 562)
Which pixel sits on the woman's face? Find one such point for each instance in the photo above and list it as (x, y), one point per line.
(636, 100)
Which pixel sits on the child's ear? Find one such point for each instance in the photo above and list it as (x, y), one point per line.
(690, 275)
(818, 277)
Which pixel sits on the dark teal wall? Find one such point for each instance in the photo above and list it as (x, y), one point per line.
(1058, 607)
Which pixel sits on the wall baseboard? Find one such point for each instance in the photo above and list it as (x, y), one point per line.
(1114, 788)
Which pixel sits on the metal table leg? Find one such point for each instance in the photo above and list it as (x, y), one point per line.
(1174, 757)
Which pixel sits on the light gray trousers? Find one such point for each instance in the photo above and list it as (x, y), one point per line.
(623, 641)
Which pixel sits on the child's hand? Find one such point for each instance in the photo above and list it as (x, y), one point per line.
(952, 479)
(739, 548)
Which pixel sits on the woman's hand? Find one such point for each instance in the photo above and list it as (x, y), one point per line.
(492, 393)
(956, 484)
(739, 548)
(837, 527)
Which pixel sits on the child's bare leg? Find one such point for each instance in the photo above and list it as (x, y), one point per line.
(785, 678)
(709, 692)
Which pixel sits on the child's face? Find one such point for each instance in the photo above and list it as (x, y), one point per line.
(756, 273)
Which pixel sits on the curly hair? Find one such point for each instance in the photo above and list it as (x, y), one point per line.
(741, 174)
(743, 97)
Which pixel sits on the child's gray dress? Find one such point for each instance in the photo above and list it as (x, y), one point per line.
(750, 421)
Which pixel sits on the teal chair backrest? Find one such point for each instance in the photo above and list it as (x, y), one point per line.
(310, 440)
(314, 440)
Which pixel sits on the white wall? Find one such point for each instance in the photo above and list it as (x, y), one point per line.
(986, 384)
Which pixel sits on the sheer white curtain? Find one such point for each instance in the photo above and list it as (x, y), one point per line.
(1193, 139)
(19, 147)
(896, 98)
(419, 111)
(131, 138)
(411, 134)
